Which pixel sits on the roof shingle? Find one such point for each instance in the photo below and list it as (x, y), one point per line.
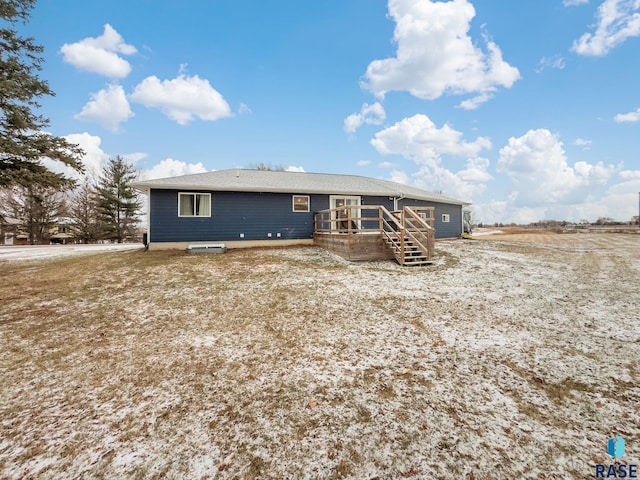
(242, 180)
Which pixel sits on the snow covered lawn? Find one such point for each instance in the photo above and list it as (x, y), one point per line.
(40, 252)
(505, 359)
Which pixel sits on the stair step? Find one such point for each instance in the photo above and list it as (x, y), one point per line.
(415, 258)
(412, 256)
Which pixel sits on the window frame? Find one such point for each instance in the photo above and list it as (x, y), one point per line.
(194, 194)
(293, 203)
(446, 218)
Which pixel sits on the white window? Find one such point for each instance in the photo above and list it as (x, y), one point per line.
(445, 218)
(300, 203)
(194, 204)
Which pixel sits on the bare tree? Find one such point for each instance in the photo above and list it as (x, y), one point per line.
(266, 167)
(35, 209)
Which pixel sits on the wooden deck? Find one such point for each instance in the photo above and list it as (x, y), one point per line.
(355, 247)
(368, 232)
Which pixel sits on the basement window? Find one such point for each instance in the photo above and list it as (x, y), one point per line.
(446, 218)
(300, 203)
(194, 204)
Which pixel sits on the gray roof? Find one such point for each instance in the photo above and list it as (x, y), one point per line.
(241, 180)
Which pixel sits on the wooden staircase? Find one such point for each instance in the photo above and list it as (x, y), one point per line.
(409, 236)
(407, 253)
(372, 232)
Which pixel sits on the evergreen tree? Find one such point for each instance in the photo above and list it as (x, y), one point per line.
(118, 203)
(83, 211)
(22, 140)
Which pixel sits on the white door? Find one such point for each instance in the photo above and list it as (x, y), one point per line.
(336, 201)
(8, 238)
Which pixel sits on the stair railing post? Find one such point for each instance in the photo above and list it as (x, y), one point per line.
(432, 241)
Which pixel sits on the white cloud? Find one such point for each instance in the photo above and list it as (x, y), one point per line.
(628, 117)
(399, 176)
(93, 160)
(244, 109)
(171, 168)
(477, 170)
(489, 212)
(417, 138)
(630, 175)
(573, 3)
(363, 163)
(135, 157)
(620, 201)
(293, 168)
(542, 177)
(617, 20)
(182, 98)
(109, 107)
(476, 101)
(581, 142)
(504, 211)
(369, 114)
(100, 54)
(556, 62)
(387, 165)
(463, 184)
(435, 54)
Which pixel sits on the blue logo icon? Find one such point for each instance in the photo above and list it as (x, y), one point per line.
(615, 447)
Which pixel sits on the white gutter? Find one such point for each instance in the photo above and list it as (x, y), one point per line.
(395, 201)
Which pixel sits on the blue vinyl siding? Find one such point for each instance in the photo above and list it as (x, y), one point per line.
(257, 214)
(233, 213)
(384, 201)
(450, 229)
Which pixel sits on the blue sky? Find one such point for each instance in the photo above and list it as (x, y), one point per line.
(530, 112)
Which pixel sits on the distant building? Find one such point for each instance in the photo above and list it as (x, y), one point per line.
(11, 234)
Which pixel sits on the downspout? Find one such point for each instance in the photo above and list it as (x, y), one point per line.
(146, 247)
(395, 201)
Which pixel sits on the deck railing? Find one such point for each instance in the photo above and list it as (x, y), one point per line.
(420, 227)
(404, 231)
(348, 219)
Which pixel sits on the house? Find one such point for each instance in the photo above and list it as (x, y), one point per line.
(63, 231)
(11, 232)
(246, 208)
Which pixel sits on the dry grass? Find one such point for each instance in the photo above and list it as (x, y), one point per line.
(503, 360)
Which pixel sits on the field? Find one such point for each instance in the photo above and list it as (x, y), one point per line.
(509, 357)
